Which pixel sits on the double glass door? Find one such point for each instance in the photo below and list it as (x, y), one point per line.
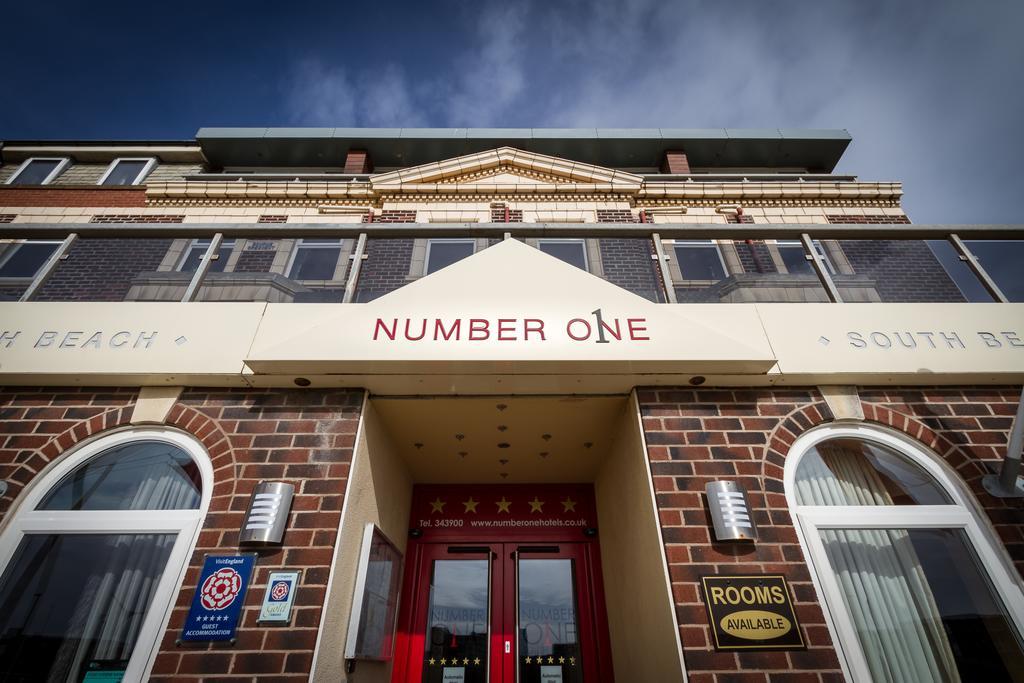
(503, 613)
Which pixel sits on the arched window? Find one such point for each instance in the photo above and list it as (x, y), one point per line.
(93, 556)
(912, 583)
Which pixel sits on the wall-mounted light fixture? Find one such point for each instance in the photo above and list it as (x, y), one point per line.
(267, 516)
(730, 513)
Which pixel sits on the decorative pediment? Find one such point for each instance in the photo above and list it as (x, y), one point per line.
(504, 167)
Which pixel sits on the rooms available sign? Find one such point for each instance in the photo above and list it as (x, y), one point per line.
(752, 612)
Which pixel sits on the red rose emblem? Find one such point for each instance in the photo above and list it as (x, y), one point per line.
(221, 588)
(279, 591)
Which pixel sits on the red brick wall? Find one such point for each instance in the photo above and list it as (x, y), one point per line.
(302, 437)
(697, 436)
(73, 196)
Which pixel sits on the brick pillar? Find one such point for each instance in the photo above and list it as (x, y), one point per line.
(675, 162)
(358, 161)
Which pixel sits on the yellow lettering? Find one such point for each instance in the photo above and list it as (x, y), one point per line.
(778, 595)
(717, 595)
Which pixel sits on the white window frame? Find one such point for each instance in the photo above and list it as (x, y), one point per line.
(818, 247)
(25, 519)
(340, 268)
(701, 244)
(150, 163)
(193, 243)
(962, 514)
(15, 246)
(447, 240)
(58, 169)
(568, 240)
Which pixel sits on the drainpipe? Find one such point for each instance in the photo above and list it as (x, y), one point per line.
(1004, 484)
(750, 244)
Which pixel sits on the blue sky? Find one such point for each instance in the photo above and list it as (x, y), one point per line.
(929, 90)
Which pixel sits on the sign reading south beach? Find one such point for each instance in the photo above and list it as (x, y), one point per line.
(751, 612)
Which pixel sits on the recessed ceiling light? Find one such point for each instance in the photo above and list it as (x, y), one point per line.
(504, 444)
(588, 444)
(460, 437)
(546, 437)
(503, 461)
(501, 406)
(543, 454)
(502, 428)
(418, 445)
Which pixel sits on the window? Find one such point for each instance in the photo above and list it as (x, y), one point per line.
(795, 260)
(38, 171)
(85, 586)
(315, 259)
(443, 253)
(572, 251)
(699, 260)
(24, 259)
(127, 171)
(192, 257)
(914, 587)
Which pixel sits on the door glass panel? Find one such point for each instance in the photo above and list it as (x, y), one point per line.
(923, 607)
(549, 647)
(71, 604)
(457, 620)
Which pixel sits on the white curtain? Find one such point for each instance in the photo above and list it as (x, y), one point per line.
(114, 601)
(886, 590)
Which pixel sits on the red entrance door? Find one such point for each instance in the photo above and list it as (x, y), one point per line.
(527, 607)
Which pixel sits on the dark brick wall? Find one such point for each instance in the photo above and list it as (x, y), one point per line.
(302, 437)
(101, 269)
(136, 218)
(754, 257)
(255, 260)
(12, 292)
(744, 435)
(616, 216)
(498, 214)
(627, 263)
(78, 196)
(385, 268)
(903, 270)
(392, 216)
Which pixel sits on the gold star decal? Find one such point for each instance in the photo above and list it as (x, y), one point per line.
(437, 505)
(432, 661)
(443, 661)
(470, 504)
(465, 661)
(503, 505)
(536, 505)
(561, 660)
(476, 661)
(551, 660)
(572, 661)
(529, 661)
(568, 505)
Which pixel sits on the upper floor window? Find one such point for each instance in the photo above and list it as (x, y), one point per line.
(444, 252)
(699, 260)
(24, 259)
(915, 586)
(127, 171)
(572, 251)
(316, 260)
(85, 587)
(795, 259)
(193, 256)
(38, 171)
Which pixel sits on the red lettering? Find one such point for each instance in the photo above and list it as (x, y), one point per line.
(527, 329)
(439, 330)
(382, 326)
(504, 328)
(568, 329)
(635, 328)
(617, 333)
(476, 325)
(423, 330)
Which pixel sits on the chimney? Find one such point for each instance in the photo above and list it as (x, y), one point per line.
(358, 161)
(675, 162)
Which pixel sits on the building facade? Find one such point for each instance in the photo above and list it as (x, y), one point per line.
(549, 405)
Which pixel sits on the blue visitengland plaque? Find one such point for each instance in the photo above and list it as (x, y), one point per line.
(218, 599)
